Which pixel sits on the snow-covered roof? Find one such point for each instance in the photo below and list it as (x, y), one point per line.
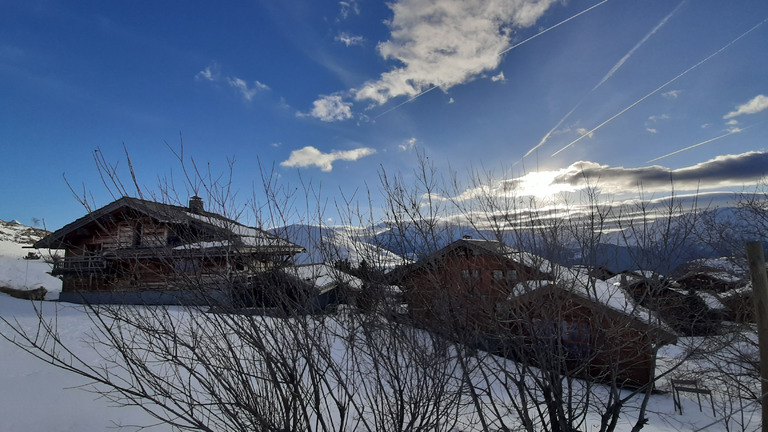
(605, 293)
(323, 276)
(224, 231)
(711, 300)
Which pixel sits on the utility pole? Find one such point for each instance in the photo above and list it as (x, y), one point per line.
(757, 271)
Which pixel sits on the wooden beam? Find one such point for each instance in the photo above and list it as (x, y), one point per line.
(757, 270)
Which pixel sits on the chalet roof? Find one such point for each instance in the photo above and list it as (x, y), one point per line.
(324, 277)
(607, 295)
(225, 230)
(577, 281)
(484, 247)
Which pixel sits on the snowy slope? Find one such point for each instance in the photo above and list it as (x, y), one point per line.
(17, 272)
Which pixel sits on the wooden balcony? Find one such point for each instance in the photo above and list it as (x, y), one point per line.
(81, 264)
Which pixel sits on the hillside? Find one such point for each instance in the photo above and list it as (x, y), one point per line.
(16, 271)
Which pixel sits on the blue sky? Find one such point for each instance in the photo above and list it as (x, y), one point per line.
(333, 92)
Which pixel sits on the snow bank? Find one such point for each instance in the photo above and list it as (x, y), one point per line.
(23, 274)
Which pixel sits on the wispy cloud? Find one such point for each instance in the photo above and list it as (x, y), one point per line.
(409, 145)
(672, 94)
(585, 131)
(499, 77)
(347, 8)
(310, 156)
(329, 108)
(349, 40)
(212, 73)
(655, 118)
(247, 92)
(754, 106)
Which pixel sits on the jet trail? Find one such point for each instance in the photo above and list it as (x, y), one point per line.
(662, 87)
(626, 57)
(501, 53)
(607, 76)
(551, 131)
(700, 144)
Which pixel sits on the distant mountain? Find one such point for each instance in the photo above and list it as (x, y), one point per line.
(619, 250)
(330, 244)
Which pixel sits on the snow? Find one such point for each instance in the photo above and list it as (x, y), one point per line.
(39, 396)
(324, 276)
(25, 274)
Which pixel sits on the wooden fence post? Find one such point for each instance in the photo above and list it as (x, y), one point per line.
(757, 271)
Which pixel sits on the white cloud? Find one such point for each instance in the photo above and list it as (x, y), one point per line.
(584, 131)
(349, 40)
(446, 43)
(210, 73)
(247, 92)
(655, 118)
(213, 73)
(732, 122)
(754, 106)
(499, 77)
(450, 100)
(672, 94)
(329, 108)
(348, 8)
(652, 130)
(276, 144)
(408, 145)
(310, 156)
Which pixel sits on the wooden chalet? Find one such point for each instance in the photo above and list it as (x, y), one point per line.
(522, 306)
(460, 286)
(134, 250)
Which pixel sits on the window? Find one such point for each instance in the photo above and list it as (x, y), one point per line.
(511, 276)
(153, 236)
(470, 274)
(498, 275)
(575, 339)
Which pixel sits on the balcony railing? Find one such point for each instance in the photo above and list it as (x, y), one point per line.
(83, 264)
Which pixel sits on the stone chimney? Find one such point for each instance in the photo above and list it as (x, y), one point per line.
(196, 205)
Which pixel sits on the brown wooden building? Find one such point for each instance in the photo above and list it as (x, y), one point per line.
(522, 306)
(133, 245)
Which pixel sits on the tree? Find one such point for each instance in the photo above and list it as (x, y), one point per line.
(517, 356)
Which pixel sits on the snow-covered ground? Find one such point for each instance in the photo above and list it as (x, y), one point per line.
(37, 396)
(25, 274)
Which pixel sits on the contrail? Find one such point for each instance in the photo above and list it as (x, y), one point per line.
(626, 57)
(551, 131)
(662, 87)
(501, 53)
(553, 27)
(607, 76)
(701, 143)
(408, 101)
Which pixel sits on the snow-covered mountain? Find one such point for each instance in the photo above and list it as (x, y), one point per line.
(330, 244)
(15, 231)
